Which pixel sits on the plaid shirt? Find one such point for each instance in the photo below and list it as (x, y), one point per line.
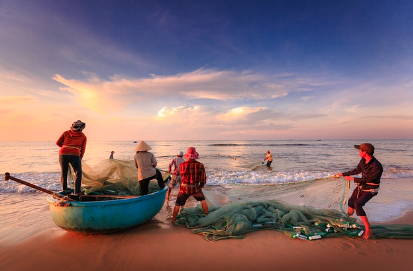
(193, 177)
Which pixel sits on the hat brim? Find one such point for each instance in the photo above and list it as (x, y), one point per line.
(191, 155)
(142, 146)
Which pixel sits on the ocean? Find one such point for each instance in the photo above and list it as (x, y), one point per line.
(298, 176)
(227, 162)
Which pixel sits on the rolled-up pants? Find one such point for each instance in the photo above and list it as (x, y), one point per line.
(358, 199)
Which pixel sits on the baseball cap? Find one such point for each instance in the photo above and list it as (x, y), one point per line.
(367, 147)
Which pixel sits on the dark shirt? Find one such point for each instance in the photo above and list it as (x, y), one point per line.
(370, 174)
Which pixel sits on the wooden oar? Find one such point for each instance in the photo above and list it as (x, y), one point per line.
(8, 177)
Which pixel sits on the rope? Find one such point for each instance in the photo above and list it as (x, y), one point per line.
(344, 197)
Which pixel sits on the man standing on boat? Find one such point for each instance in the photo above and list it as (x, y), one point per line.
(367, 186)
(176, 174)
(72, 145)
(145, 162)
(193, 179)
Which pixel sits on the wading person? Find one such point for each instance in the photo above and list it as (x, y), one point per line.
(269, 158)
(145, 162)
(367, 185)
(176, 174)
(193, 179)
(72, 145)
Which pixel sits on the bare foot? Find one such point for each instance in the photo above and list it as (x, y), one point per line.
(367, 235)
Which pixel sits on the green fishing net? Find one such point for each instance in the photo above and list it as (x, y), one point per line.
(311, 216)
(235, 219)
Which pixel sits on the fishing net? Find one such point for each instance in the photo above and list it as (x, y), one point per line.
(112, 177)
(235, 219)
(306, 210)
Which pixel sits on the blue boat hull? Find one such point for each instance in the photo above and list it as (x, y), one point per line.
(106, 216)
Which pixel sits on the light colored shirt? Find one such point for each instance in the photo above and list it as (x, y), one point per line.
(176, 162)
(145, 162)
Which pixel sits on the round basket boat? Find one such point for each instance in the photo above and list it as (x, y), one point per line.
(105, 215)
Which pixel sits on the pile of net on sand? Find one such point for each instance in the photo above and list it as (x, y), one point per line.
(234, 220)
(112, 177)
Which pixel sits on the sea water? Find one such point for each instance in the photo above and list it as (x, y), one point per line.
(227, 162)
(234, 172)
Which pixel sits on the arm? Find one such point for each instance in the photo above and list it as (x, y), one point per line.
(170, 165)
(202, 176)
(59, 142)
(154, 162)
(136, 162)
(83, 148)
(346, 175)
(355, 171)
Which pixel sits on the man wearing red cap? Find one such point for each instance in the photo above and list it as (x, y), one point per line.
(193, 179)
(367, 186)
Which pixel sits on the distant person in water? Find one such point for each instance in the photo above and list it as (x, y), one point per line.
(176, 173)
(193, 179)
(367, 186)
(111, 155)
(269, 158)
(145, 162)
(72, 145)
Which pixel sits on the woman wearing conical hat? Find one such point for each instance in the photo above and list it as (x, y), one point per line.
(145, 162)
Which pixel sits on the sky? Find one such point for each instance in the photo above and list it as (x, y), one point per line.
(206, 70)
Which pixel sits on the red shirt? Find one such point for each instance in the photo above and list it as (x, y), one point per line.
(72, 143)
(193, 177)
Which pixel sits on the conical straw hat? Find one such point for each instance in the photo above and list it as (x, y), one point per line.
(142, 146)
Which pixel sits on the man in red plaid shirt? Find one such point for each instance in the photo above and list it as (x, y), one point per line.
(193, 180)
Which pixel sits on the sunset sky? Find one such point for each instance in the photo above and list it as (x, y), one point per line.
(172, 70)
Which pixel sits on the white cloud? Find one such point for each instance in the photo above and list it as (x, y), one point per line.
(102, 95)
(205, 120)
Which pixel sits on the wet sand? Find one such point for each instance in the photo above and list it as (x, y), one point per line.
(30, 240)
(155, 247)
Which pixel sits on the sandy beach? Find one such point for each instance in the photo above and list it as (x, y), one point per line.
(155, 247)
(30, 240)
(277, 101)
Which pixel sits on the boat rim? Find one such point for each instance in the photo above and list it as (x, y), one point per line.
(53, 200)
